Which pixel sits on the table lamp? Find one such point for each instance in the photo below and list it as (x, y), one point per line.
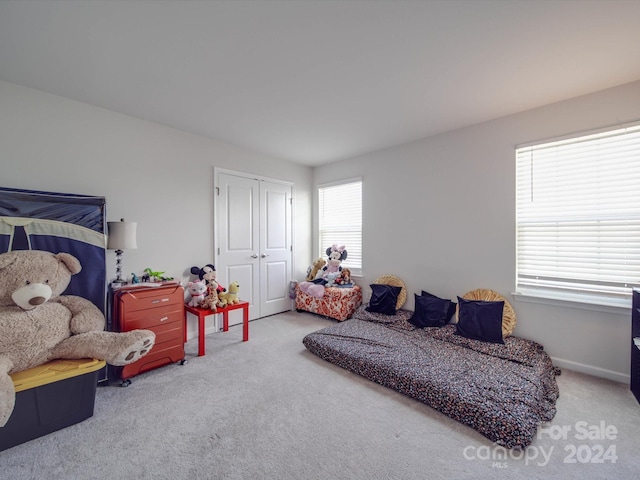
(122, 236)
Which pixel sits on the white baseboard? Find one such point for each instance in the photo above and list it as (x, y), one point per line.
(591, 370)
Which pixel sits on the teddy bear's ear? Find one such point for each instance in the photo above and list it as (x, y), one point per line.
(69, 261)
(6, 260)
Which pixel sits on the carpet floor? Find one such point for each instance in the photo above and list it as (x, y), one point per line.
(269, 409)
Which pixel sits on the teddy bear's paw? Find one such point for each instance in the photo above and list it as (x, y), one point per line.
(135, 354)
(135, 345)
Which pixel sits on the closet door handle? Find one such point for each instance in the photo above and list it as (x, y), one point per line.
(254, 256)
(264, 255)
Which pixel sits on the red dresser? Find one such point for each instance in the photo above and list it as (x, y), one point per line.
(159, 309)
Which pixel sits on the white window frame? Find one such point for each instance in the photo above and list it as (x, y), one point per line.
(578, 217)
(331, 226)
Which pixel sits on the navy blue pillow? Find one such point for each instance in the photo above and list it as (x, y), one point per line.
(430, 311)
(480, 320)
(452, 305)
(383, 298)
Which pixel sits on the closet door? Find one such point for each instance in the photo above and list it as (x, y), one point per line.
(275, 247)
(254, 242)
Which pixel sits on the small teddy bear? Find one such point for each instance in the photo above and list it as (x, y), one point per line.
(313, 269)
(345, 278)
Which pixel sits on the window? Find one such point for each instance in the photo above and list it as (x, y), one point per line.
(340, 220)
(578, 217)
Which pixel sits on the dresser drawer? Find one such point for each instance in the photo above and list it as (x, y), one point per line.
(133, 299)
(169, 332)
(147, 319)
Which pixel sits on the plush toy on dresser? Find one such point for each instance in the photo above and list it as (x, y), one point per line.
(38, 324)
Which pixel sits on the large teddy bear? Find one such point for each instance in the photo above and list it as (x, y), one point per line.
(38, 325)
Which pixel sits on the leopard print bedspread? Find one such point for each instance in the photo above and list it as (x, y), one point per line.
(504, 391)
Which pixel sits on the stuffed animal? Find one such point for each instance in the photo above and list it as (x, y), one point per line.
(38, 324)
(313, 269)
(212, 301)
(198, 291)
(292, 289)
(336, 255)
(230, 297)
(345, 278)
(327, 274)
(331, 278)
(208, 274)
(313, 289)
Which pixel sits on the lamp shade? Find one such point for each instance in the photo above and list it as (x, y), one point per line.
(122, 235)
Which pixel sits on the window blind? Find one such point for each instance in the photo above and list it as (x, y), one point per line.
(340, 221)
(578, 216)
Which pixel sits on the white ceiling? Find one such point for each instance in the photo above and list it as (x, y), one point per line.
(319, 81)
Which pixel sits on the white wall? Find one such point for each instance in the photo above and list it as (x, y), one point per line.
(440, 214)
(158, 176)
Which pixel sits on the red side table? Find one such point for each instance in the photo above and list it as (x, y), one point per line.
(201, 313)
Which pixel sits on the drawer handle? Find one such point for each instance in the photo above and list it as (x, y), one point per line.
(160, 300)
(164, 318)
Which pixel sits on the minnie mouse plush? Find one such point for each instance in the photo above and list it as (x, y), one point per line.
(336, 255)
